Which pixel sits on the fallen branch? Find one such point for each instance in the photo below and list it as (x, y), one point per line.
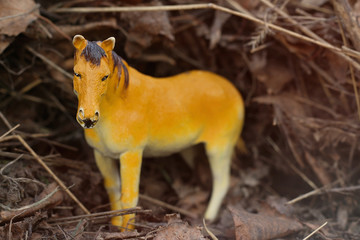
(51, 196)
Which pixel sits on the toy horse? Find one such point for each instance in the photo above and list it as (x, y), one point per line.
(128, 115)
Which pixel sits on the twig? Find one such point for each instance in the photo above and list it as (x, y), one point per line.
(27, 97)
(352, 74)
(58, 180)
(326, 189)
(314, 37)
(9, 164)
(134, 8)
(52, 198)
(8, 132)
(10, 226)
(41, 162)
(168, 206)
(213, 237)
(50, 63)
(344, 189)
(294, 168)
(57, 29)
(96, 216)
(315, 40)
(49, 197)
(18, 179)
(315, 231)
(24, 156)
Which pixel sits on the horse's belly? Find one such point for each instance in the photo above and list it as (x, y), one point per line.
(167, 145)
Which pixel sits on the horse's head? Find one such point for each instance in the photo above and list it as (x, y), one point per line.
(92, 71)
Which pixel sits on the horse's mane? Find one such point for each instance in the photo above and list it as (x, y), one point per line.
(119, 63)
(93, 54)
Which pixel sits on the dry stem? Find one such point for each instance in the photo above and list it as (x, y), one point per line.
(41, 162)
(315, 39)
(315, 231)
(168, 206)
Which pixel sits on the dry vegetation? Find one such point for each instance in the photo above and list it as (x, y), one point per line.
(294, 61)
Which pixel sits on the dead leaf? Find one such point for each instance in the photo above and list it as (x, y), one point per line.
(338, 67)
(279, 204)
(190, 197)
(300, 48)
(342, 216)
(215, 32)
(272, 72)
(318, 169)
(144, 26)
(15, 16)
(177, 229)
(253, 176)
(262, 227)
(286, 102)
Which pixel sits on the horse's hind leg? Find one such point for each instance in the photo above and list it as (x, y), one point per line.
(220, 160)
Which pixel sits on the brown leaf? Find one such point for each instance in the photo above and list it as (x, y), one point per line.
(215, 32)
(177, 229)
(260, 226)
(190, 197)
(279, 205)
(337, 66)
(286, 102)
(144, 26)
(343, 216)
(15, 16)
(272, 72)
(318, 169)
(298, 47)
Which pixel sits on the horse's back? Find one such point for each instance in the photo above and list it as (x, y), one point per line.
(219, 105)
(199, 105)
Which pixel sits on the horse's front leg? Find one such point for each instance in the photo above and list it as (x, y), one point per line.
(110, 173)
(130, 167)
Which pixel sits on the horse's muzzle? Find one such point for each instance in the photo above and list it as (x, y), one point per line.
(87, 122)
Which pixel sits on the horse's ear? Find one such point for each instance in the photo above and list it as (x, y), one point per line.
(79, 42)
(108, 44)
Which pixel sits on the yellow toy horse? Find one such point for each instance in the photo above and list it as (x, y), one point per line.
(127, 115)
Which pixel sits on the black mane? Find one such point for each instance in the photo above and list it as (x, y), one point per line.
(119, 63)
(93, 54)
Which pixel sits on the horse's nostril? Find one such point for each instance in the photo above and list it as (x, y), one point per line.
(97, 115)
(81, 113)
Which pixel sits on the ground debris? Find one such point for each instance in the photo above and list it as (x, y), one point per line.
(178, 229)
(50, 197)
(261, 226)
(296, 64)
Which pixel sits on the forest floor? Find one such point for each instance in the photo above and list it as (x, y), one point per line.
(296, 64)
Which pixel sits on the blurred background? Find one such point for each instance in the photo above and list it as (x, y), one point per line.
(300, 89)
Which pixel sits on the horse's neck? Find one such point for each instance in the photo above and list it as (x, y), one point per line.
(117, 81)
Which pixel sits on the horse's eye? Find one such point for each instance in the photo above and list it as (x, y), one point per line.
(104, 78)
(77, 75)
